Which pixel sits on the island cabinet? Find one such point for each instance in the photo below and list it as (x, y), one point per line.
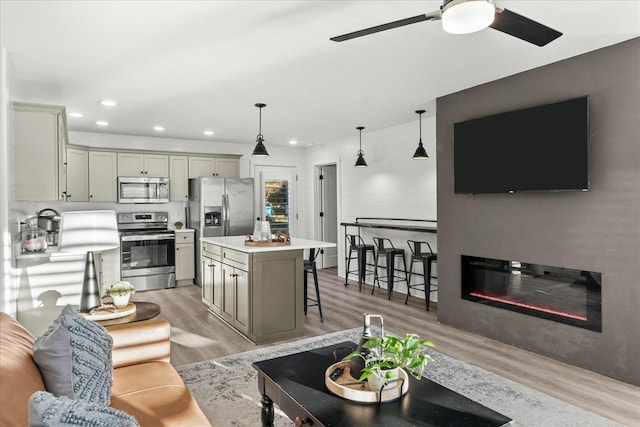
(259, 294)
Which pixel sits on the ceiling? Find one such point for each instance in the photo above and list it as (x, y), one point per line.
(196, 65)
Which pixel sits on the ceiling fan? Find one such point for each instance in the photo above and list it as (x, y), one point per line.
(468, 16)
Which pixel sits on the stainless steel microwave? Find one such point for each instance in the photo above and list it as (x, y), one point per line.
(143, 190)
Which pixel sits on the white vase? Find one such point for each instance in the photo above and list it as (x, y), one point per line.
(375, 382)
(120, 301)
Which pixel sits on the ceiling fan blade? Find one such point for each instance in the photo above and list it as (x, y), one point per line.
(523, 28)
(387, 26)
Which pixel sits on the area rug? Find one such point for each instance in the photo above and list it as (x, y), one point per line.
(227, 388)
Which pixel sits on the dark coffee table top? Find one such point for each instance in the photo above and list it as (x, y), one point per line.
(296, 384)
(144, 311)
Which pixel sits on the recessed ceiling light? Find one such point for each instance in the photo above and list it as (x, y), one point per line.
(102, 123)
(293, 142)
(209, 132)
(158, 128)
(76, 115)
(108, 102)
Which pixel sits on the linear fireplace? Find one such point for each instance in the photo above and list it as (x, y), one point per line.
(561, 294)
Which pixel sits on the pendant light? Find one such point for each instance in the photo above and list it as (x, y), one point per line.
(420, 153)
(260, 150)
(360, 163)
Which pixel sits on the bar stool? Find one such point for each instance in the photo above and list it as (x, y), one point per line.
(422, 252)
(310, 267)
(355, 243)
(390, 253)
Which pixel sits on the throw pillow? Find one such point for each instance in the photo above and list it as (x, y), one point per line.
(46, 410)
(74, 358)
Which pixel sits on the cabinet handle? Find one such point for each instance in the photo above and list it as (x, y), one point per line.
(234, 275)
(212, 265)
(141, 172)
(91, 196)
(177, 249)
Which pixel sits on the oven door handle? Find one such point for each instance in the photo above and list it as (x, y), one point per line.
(148, 237)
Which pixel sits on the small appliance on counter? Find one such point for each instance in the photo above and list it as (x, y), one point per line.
(49, 221)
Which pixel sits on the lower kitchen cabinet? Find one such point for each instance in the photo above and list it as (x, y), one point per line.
(185, 257)
(211, 277)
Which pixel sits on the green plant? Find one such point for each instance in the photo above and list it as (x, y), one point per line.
(120, 289)
(178, 224)
(389, 352)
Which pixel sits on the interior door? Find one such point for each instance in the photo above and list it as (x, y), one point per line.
(328, 214)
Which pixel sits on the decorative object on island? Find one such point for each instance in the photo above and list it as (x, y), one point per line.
(420, 153)
(178, 225)
(281, 238)
(88, 232)
(384, 355)
(120, 292)
(360, 162)
(260, 150)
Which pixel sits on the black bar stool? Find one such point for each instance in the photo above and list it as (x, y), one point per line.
(390, 253)
(310, 267)
(422, 252)
(354, 243)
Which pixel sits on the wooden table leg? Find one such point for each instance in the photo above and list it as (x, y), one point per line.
(267, 413)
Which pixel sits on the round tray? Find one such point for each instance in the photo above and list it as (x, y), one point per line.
(348, 388)
(110, 313)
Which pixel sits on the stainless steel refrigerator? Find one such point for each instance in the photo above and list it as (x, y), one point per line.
(219, 207)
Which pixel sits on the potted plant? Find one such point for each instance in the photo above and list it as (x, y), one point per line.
(178, 225)
(120, 292)
(387, 354)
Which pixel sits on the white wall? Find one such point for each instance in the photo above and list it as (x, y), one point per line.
(393, 185)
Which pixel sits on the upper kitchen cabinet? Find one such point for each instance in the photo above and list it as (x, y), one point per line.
(76, 176)
(40, 137)
(213, 166)
(103, 176)
(143, 164)
(178, 178)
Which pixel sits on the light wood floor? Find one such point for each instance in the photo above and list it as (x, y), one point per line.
(198, 335)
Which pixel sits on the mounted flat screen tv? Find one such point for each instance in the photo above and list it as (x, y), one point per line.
(544, 148)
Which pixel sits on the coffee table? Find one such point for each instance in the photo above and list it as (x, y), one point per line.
(296, 384)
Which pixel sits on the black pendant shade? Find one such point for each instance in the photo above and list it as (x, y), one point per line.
(360, 162)
(260, 150)
(420, 153)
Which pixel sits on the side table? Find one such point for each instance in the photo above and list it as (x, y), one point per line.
(144, 311)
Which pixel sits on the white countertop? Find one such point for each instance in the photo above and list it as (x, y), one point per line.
(237, 243)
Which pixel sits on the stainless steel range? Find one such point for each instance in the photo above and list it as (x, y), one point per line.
(147, 250)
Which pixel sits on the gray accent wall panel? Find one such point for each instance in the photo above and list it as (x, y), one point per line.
(597, 230)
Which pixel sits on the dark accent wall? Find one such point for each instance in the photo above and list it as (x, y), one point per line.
(598, 230)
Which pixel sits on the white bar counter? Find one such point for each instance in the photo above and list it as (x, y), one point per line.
(257, 290)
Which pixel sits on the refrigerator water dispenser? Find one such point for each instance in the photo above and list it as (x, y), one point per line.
(212, 216)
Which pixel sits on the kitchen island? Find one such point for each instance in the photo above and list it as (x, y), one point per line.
(257, 290)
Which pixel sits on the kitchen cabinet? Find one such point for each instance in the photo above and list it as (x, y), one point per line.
(143, 164)
(236, 290)
(40, 137)
(76, 176)
(185, 257)
(103, 176)
(212, 277)
(213, 166)
(178, 178)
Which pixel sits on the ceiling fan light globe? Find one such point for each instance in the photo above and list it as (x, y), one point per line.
(467, 16)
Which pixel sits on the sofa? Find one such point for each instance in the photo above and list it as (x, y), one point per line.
(145, 385)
